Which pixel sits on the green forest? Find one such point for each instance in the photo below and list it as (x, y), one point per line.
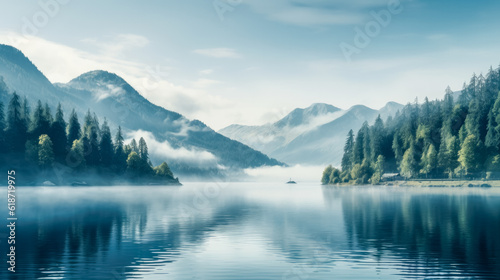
(43, 146)
(454, 138)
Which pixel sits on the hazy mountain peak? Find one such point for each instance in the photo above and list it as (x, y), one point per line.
(18, 62)
(390, 109)
(301, 116)
(98, 76)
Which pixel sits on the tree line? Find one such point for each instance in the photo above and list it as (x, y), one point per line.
(456, 137)
(40, 139)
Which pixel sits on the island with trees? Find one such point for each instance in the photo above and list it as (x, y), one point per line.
(44, 149)
(457, 138)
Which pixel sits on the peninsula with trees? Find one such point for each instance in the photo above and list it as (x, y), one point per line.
(44, 149)
(457, 138)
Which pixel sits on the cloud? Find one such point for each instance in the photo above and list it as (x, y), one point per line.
(202, 83)
(189, 97)
(218, 52)
(311, 16)
(109, 91)
(163, 151)
(118, 44)
(316, 12)
(206, 72)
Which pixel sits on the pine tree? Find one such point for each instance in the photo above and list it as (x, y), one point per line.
(133, 146)
(2, 129)
(397, 148)
(16, 126)
(143, 150)
(88, 124)
(106, 146)
(377, 138)
(58, 135)
(25, 113)
(92, 157)
(120, 157)
(74, 129)
(347, 158)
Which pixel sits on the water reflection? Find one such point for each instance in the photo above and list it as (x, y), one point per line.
(248, 231)
(431, 232)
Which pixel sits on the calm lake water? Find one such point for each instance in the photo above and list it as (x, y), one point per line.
(255, 231)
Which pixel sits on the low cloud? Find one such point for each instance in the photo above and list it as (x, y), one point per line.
(218, 53)
(163, 151)
(109, 91)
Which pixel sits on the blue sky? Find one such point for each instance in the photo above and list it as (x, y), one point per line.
(251, 62)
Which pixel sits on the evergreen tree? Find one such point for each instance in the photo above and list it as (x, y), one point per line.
(120, 157)
(58, 135)
(143, 150)
(74, 129)
(376, 139)
(39, 122)
(106, 145)
(136, 166)
(25, 113)
(92, 157)
(45, 151)
(347, 158)
(397, 148)
(88, 124)
(2, 129)
(492, 141)
(16, 126)
(133, 146)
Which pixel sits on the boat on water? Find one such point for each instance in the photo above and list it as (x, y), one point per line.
(291, 181)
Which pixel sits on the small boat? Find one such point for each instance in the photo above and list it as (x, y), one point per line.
(291, 182)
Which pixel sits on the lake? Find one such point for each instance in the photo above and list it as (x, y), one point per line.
(254, 231)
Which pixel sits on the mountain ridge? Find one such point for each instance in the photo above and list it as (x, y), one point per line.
(111, 97)
(321, 139)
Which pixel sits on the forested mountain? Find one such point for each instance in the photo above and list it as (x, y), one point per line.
(311, 136)
(449, 138)
(189, 146)
(41, 147)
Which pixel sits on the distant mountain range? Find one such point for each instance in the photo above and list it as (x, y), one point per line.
(189, 146)
(312, 136)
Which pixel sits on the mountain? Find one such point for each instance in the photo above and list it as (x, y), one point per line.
(189, 146)
(310, 136)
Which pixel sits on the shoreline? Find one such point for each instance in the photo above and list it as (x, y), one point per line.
(435, 183)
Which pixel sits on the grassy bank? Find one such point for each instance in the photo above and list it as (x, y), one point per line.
(445, 183)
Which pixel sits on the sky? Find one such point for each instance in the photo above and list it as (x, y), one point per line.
(253, 61)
